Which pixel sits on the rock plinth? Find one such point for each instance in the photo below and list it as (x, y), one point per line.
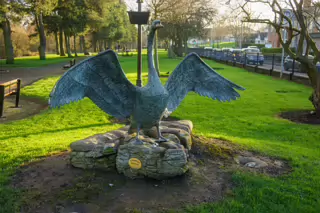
(116, 149)
(168, 159)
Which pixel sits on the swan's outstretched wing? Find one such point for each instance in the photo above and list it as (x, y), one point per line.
(101, 79)
(193, 74)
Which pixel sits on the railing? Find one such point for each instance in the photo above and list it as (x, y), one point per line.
(270, 62)
(72, 62)
(7, 89)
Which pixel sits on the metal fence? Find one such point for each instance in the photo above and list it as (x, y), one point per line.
(271, 62)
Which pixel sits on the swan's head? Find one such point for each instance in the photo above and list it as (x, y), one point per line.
(156, 25)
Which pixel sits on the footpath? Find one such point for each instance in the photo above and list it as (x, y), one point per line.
(31, 74)
(28, 107)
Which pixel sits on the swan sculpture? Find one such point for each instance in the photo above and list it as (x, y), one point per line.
(102, 79)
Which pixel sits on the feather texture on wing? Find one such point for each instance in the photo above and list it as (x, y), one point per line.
(101, 79)
(193, 74)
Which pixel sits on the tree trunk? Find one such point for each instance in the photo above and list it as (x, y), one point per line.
(42, 37)
(75, 45)
(100, 45)
(104, 44)
(314, 77)
(315, 100)
(85, 51)
(81, 44)
(185, 44)
(61, 42)
(110, 44)
(178, 49)
(67, 40)
(156, 57)
(6, 28)
(94, 45)
(57, 42)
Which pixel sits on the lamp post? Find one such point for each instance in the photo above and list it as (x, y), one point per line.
(139, 77)
(282, 55)
(241, 34)
(139, 18)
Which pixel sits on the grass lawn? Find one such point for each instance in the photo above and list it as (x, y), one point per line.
(226, 45)
(250, 121)
(34, 61)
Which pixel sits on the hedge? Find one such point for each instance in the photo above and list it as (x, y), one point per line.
(275, 50)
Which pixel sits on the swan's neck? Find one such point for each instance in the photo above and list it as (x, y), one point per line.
(152, 74)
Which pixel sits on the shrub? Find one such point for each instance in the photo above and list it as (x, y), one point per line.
(275, 50)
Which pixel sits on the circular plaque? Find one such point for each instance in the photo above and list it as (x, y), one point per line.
(135, 163)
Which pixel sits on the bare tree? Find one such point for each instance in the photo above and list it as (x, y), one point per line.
(188, 18)
(158, 9)
(304, 13)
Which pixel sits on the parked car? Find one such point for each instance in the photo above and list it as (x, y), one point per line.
(226, 53)
(236, 54)
(251, 55)
(288, 63)
(225, 49)
(218, 54)
(253, 47)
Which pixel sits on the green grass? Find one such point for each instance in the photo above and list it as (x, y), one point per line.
(221, 45)
(226, 45)
(34, 61)
(250, 121)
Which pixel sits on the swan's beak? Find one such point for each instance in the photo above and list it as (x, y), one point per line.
(158, 26)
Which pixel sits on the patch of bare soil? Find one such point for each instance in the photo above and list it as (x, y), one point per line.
(302, 116)
(27, 107)
(52, 185)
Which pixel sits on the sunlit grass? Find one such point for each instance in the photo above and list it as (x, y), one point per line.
(34, 61)
(251, 121)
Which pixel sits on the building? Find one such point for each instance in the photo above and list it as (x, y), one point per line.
(261, 38)
(273, 37)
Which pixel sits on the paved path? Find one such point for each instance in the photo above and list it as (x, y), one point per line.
(278, 69)
(29, 75)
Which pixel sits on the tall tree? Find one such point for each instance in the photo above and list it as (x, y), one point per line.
(52, 23)
(188, 19)
(303, 12)
(39, 9)
(5, 25)
(159, 8)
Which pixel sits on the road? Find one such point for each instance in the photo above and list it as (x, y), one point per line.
(277, 68)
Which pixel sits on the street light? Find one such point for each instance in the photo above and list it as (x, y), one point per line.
(139, 18)
(241, 34)
(282, 56)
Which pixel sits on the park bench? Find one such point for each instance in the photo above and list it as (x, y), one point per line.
(71, 64)
(127, 53)
(3, 71)
(7, 89)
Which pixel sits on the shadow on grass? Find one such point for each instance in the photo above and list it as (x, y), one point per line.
(60, 130)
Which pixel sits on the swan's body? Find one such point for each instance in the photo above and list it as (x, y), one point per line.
(102, 80)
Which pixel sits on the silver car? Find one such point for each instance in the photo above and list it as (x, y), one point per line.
(288, 64)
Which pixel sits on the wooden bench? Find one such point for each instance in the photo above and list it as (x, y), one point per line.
(7, 89)
(71, 64)
(127, 53)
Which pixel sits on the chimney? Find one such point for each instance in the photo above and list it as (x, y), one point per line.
(307, 3)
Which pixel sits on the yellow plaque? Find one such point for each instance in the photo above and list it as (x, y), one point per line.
(134, 163)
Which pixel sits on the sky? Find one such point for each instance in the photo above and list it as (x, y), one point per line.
(257, 7)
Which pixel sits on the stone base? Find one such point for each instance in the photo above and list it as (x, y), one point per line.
(168, 159)
(114, 150)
